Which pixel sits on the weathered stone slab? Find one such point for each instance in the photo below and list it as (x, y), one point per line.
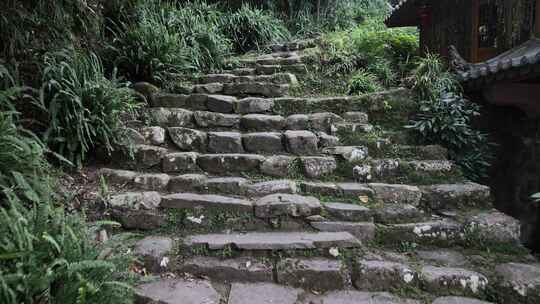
(520, 283)
(351, 128)
(301, 142)
(154, 250)
(221, 103)
(187, 182)
(154, 135)
(391, 194)
(456, 196)
(327, 141)
(458, 300)
(495, 226)
(317, 166)
(177, 291)
(119, 177)
(256, 88)
(398, 214)
(189, 139)
(263, 142)
(272, 187)
(262, 122)
(230, 270)
(312, 274)
(135, 200)
(216, 78)
(197, 102)
(216, 120)
(137, 210)
(448, 258)
(180, 162)
(349, 212)
(431, 165)
(276, 205)
(205, 202)
(168, 100)
(319, 188)
(230, 163)
(225, 142)
(382, 275)
(254, 105)
(355, 189)
(297, 122)
(452, 281)
(229, 185)
(441, 230)
(171, 117)
(149, 181)
(208, 88)
(274, 240)
(279, 166)
(149, 156)
(349, 153)
(264, 293)
(323, 121)
(362, 231)
(357, 297)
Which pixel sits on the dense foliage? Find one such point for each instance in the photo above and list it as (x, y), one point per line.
(446, 118)
(84, 106)
(363, 82)
(251, 28)
(46, 255)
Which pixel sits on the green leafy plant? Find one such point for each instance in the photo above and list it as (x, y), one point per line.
(84, 106)
(169, 38)
(363, 82)
(445, 118)
(251, 28)
(46, 255)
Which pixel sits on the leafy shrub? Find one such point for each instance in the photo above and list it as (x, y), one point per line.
(250, 28)
(387, 53)
(84, 107)
(167, 38)
(445, 118)
(46, 256)
(363, 82)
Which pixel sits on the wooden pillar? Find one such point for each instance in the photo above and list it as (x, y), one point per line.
(537, 19)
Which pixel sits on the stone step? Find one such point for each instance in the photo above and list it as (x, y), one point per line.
(479, 228)
(391, 170)
(294, 45)
(244, 88)
(454, 279)
(257, 69)
(300, 142)
(277, 78)
(271, 241)
(179, 117)
(195, 291)
(391, 108)
(382, 275)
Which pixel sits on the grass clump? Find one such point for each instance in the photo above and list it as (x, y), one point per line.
(84, 107)
(363, 82)
(251, 28)
(46, 255)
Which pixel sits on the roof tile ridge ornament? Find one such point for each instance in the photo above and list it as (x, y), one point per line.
(457, 63)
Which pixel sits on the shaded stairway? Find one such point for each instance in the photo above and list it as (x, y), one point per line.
(246, 195)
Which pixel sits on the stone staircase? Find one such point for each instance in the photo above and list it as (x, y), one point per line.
(245, 195)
